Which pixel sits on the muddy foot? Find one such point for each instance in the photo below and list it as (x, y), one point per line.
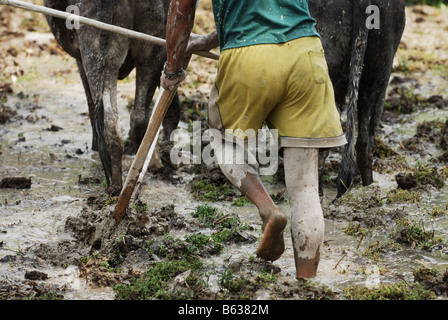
(306, 268)
(272, 244)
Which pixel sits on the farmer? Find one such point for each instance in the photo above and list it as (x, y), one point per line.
(272, 69)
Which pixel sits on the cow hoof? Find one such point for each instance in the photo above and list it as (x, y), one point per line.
(113, 191)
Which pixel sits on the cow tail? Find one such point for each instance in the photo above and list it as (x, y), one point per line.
(347, 169)
(107, 13)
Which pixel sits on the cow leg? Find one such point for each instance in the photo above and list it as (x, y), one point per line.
(371, 100)
(323, 155)
(381, 48)
(106, 125)
(363, 151)
(148, 79)
(172, 118)
(127, 67)
(150, 18)
(146, 83)
(90, 103)
(372, 93)
(103, 53)
(111, 133)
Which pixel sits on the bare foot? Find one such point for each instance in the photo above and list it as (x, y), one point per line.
(272, 244)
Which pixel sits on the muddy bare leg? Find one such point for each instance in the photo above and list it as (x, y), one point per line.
(307, 221)
(244, 175)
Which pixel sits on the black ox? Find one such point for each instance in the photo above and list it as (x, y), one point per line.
(104, 57)
(360, 60)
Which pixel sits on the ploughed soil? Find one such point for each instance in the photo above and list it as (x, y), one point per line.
(59, 240)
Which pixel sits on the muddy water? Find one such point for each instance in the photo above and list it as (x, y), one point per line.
(49, 141)
(342, 262)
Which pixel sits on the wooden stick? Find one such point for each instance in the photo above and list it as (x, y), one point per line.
(97, 24)
(362, 237)
(345, 254)
(150, 153)
(166, 96)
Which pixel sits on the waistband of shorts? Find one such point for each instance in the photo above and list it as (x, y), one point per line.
(304, 42)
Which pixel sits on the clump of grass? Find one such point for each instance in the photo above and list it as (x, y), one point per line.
(413, 233)
(155, 283)
(206, 191)
(227, 229)
(437, 211)
(140, 207)
(228, 281)
(401, 195)
(179, 256)
(241, 202)
(362, 199)
(206, 215)
(374, 250)
(405, 101)
(382, 150)
(355, 230)
(397, 291)
(430, 175)
(424, 133)
(243, 286)
(423, 274)
(425, 128)
(210, 217)
(91, 266)
(414, 179)
(200, 241)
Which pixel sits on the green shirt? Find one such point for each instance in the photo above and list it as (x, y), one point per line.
(243, 23)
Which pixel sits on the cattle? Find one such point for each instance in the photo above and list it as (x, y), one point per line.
(360, 60)
(103, 58)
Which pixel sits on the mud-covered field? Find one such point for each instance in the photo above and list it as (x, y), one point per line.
(190, 234)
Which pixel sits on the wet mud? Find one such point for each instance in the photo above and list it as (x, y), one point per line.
(190, 234)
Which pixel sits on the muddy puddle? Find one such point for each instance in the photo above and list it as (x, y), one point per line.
(58, 238)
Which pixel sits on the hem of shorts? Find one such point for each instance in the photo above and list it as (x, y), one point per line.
(328, 142)
(284, 141)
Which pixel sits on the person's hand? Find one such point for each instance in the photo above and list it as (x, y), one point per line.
(171, 78)
(169, 81)
(198, 43)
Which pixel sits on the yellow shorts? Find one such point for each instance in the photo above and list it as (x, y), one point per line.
(285, 85)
